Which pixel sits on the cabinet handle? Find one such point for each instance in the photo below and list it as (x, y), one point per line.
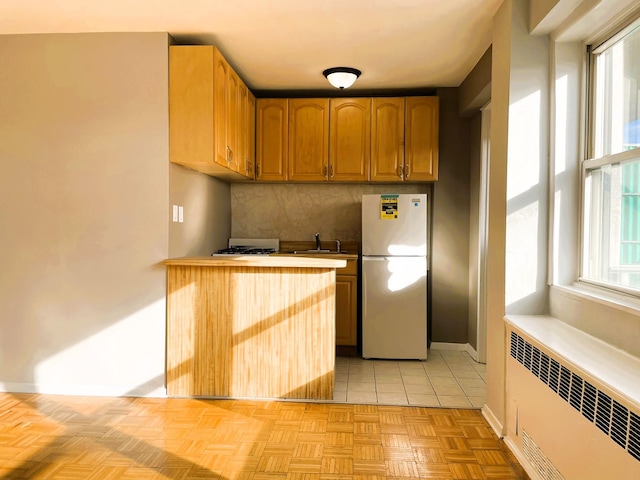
(406, 171)
(331, 171)
(400, 172)
(324, 171)
(229, 155)
(257, 170)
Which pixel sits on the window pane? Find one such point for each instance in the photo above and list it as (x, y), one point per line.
(612, 224)
(617, 106)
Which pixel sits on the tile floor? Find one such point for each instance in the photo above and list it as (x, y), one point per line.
(445, 379)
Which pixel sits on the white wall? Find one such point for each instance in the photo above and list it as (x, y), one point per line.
(84, 182)
(527, 169)
(518, 197)
(536, 93)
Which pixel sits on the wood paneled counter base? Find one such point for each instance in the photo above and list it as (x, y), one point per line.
(251, 326)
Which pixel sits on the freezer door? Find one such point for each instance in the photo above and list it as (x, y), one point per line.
(404, 235)
(394, 314)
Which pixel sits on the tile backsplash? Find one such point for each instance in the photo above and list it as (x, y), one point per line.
(297, 211)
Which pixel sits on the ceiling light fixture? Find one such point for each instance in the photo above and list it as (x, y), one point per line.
(342, 77)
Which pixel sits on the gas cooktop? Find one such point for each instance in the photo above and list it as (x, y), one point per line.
(244, 250)
(250, 246)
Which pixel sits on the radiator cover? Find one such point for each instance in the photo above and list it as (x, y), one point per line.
(577, 427)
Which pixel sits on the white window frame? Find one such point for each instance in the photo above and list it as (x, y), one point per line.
(593, 161)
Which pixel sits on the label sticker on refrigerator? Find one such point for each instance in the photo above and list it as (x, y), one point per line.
(388, 207)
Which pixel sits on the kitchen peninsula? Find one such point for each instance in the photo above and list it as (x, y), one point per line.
(251, 326)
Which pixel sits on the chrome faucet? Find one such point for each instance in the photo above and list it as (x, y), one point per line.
(338, 246)
(317, 241)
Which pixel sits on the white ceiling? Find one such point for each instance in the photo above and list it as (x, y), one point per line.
(286, 44)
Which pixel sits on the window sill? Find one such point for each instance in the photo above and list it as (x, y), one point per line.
(609, 298)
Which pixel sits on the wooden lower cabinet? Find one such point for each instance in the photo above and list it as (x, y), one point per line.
(347, 305)
(346, 311)
(262, 332)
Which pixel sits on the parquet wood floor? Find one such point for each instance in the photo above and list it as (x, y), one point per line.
(61, 437)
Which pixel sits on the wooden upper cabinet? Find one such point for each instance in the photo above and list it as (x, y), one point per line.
(350, 139)
(271, 139)
(308, 139)
(387, 139)
(206, 119)
(191, 103)
(421, 138)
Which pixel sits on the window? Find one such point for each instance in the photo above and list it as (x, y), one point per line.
(611, 202)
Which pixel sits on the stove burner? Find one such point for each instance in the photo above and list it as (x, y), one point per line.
(242, 250)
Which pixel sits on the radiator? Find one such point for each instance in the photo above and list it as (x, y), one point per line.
(564, 425)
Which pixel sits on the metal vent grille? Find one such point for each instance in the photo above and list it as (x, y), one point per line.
(543, 466)
(610, 416)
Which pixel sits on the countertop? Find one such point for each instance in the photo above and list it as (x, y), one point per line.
(340, 256)
(278, 260)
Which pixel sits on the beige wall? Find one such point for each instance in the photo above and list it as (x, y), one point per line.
(475, 93)
(518, 186)
(450, 233)
(501, 66)
(84, 182)
(475, 90)
(207, 213)
(474, 226)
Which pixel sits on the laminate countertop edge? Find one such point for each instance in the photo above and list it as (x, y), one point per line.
(258, 261)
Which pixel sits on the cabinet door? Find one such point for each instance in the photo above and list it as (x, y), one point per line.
(190, 104)
(271, 139)
(350, 139)
(250, 137)
(387, 139)
(421, 138)
(346, 311)
(308, 139)
(233, 120)
(246, 129)
(220, 105)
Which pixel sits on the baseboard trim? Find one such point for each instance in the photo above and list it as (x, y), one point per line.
(457, 347)
(472, 353)
(81, 391)
(493, 421)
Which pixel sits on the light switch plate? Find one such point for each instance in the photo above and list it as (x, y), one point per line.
(180, 214)
(175, 213)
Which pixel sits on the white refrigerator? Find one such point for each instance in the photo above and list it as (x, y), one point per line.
(394, 276)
